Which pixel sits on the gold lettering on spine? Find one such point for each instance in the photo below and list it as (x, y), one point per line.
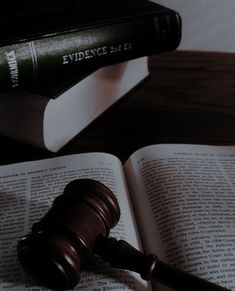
(96, 52)
(84, 55)
(13, 68)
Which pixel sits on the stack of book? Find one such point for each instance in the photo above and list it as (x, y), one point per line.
(63, 63)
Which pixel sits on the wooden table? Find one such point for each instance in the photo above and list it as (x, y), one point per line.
(190, 98)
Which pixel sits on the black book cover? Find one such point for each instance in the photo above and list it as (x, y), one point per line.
(47, 42)
(22, 20)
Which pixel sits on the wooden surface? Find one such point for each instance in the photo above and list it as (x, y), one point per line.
(190, 98)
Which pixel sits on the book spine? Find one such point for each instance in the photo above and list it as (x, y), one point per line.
(57, 57)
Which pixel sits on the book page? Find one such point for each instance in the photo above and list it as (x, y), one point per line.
(27, 191)
(185, 207)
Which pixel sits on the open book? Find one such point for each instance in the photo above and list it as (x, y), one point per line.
(176, 201)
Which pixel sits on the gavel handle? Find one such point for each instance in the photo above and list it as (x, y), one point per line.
(121, 254)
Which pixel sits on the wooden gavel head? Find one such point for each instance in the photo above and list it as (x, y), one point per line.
(63, 240)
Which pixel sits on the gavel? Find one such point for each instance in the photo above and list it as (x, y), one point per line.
(76, 228)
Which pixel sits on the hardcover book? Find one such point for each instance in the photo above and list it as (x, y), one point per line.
(59, 40)
(51, 121)
(176, 201)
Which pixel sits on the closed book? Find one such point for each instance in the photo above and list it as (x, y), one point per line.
(60, 40)
(52, 122)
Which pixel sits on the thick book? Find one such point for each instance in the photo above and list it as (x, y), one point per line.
(50, 123)
(176, 201)
(59, 40)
